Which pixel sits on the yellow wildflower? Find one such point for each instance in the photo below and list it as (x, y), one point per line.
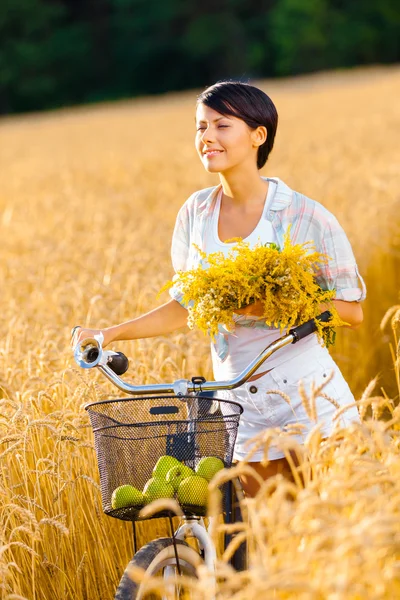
(283, 279)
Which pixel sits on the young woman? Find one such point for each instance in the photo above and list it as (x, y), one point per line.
(235, 130)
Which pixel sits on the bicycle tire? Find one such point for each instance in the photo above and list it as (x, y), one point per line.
(153, 557)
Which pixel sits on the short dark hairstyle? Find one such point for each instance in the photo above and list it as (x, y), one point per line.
(248, 103)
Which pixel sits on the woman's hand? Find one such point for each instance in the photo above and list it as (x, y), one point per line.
(256, 309)
(349, 312)
(80, 333)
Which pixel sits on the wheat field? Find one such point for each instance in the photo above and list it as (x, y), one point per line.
(88, 200)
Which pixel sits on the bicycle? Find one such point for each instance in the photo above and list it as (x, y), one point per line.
(208, 429)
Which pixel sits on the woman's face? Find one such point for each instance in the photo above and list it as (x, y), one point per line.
(223, 142)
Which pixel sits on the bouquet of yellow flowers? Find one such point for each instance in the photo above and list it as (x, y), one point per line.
(283, 279)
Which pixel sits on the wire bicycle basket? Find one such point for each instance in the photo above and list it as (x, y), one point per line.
(132, 434)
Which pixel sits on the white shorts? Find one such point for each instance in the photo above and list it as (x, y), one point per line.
(263, 410)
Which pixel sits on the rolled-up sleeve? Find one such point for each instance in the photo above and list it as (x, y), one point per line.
(340, 272)
(180, 249)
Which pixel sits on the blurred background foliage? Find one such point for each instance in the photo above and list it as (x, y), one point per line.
(61, 52)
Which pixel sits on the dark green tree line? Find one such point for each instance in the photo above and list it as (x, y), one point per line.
(60, 52)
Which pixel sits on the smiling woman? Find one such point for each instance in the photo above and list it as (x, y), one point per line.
(223, 142)
(235, 130)
(232, 108)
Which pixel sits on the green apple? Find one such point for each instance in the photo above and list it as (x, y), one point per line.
(126, 495)
(157, 488)
(208, 466)
(178, 474)
(164, 464)
(193, 490)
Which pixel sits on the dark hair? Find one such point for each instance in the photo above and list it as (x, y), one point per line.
(245, 102)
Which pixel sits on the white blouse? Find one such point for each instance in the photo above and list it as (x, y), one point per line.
(246, 342)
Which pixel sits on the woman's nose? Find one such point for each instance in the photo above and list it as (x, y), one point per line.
(207, 136)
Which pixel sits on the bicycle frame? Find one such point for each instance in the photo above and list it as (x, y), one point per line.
(195, 527)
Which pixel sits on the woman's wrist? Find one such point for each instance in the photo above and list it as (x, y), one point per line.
(112, 334)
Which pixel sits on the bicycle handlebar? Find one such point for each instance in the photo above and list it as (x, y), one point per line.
(90, 354)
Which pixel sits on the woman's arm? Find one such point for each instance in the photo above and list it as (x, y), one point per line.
(161, 320)
(349, 312)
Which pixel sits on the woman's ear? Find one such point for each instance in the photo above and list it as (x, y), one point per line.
(258, 136)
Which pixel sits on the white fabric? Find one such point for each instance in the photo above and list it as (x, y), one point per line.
(307, 360)
(247, 342)
(197, 223)
(264, 410)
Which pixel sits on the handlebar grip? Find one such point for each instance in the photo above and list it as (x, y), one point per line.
(118, 363)
(310, 327)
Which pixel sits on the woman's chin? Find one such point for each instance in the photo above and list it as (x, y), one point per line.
(212, 169)
(213, 165)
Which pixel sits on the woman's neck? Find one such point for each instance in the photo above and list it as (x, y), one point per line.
(244, 188)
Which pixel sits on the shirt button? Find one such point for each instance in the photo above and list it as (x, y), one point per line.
(253, 389)
(285, 381)
(324, 375)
